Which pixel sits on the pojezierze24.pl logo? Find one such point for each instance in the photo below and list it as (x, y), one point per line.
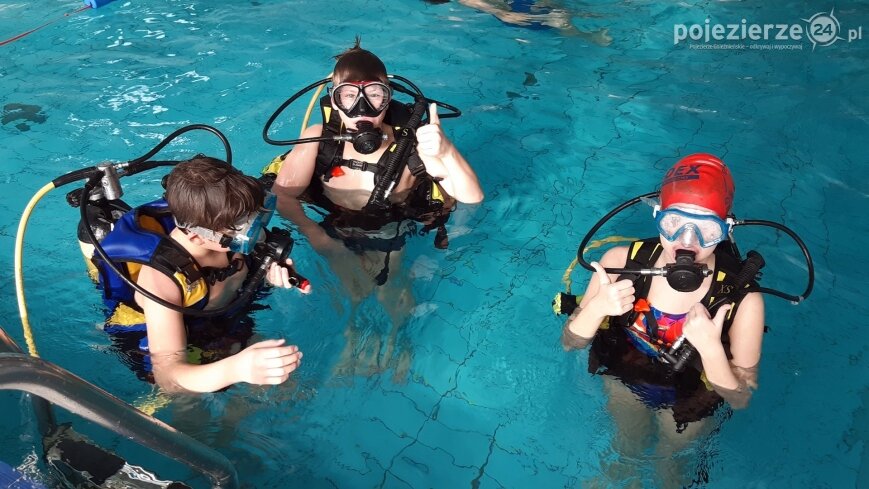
(822, 29)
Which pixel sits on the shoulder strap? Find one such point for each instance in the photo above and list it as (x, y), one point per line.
(141, 238)
(328, 150)
(642, 254)
(727, 267)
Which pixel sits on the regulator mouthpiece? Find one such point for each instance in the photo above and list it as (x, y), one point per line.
(367, 138)
(685, 275)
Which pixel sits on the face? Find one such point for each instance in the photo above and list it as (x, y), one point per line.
(346, 93)
(240, 238)
(689, 227)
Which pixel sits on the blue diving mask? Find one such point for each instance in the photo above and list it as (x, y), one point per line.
(708, 229)
(243, 235)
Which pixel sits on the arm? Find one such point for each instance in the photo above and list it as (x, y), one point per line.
(442, 160)
(602, 298)
(294, 177)
(732, 379)
(266, 362)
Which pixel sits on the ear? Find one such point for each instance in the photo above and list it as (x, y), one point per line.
(195, 238)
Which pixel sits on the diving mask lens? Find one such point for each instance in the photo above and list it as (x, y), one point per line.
(347, 96)
(709, 229)
(247, 231)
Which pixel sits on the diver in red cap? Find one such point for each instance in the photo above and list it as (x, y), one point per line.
(636, 323)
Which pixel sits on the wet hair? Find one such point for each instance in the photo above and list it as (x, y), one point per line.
(357, 64)
(211, 193)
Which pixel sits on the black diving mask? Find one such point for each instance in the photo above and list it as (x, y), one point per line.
(361, 99)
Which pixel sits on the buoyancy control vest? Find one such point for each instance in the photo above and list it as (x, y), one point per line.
(426, 203)
(141, 237)
(643, 254)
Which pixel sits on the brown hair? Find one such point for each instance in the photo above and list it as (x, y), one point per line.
(357, 64)
(211, 193)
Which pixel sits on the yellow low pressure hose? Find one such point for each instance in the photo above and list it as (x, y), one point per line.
(19, 275)
(149, 404)
(565, 301)
(565, 279)
(311, 104)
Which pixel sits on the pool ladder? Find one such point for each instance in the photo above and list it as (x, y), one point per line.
(51, 386)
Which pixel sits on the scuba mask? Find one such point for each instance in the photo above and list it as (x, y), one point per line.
(245, 233)
(361, 99)
(707, 229)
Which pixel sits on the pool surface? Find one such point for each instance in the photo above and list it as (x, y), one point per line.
(471, 387)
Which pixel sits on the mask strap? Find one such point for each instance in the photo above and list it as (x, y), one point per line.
(206, 233)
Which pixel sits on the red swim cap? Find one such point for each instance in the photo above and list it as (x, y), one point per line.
(699, 179)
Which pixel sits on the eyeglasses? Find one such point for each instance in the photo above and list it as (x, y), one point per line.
(709, 228)
(346, 96)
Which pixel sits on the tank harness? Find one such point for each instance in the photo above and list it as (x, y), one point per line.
(141, 237)
(612, 352)
(427, 202)
(643, 254)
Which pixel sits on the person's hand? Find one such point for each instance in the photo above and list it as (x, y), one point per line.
(612, 299)
(430, 138)
(702, 330)
(267, 362)
(280, 275)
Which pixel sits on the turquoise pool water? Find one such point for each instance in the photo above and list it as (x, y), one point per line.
(476, 391)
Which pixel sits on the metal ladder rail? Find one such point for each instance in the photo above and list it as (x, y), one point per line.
(52, 384)
(41, 408)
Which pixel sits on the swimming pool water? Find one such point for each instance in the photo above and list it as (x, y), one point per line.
(477, 391)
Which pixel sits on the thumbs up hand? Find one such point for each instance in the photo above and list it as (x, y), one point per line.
(433, 117)
(611, 299)
(430, 139)
(703, 330)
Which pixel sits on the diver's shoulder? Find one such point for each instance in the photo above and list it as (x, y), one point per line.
(312, 131)
(614, 257)
(753, 301)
